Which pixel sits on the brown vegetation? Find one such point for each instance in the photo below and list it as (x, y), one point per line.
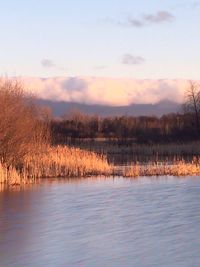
(22, 130)
(56, 162)
(25, 150)
(176, 168)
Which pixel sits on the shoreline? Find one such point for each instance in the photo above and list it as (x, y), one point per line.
(178, 168)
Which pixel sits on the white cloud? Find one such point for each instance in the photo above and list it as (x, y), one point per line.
(107, 91)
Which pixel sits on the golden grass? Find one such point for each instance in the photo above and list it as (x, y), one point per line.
(9, 175)
(60, 161)
(177, 168)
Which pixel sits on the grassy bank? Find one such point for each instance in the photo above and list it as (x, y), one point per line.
(65, 162)
(176, 168)
(59, 161)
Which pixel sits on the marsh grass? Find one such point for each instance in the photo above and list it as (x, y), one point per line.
(65, 162)
(62, 161)
(10, 175)
(176, 168)
(59, 161)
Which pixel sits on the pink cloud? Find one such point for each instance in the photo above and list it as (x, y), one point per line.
(109, 91)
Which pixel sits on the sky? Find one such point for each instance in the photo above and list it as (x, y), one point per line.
(146, 39)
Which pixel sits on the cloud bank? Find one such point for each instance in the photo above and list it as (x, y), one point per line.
(108, 91)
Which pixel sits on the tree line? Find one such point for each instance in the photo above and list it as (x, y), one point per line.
(176, 127)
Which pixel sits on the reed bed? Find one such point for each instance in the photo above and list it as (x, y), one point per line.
(62, 161)
(59, 161)
(10, 175)
(176, 168)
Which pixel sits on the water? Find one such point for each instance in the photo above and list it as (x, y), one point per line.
(102, 222)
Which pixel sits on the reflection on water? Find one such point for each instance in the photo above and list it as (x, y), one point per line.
(102, 222)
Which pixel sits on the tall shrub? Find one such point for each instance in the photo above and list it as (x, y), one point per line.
(22, 128)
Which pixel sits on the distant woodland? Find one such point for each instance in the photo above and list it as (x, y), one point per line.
(175, 127)
(168, 128)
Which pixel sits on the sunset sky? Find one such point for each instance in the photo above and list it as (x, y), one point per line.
(108, 38)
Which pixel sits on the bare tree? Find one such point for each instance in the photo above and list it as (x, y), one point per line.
(21, 129)
(192, 102)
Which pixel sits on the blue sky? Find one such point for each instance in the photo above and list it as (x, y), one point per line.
(109, 38)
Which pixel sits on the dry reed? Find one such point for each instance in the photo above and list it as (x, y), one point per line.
(60, 161)
(9, 175)
(176, 168)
